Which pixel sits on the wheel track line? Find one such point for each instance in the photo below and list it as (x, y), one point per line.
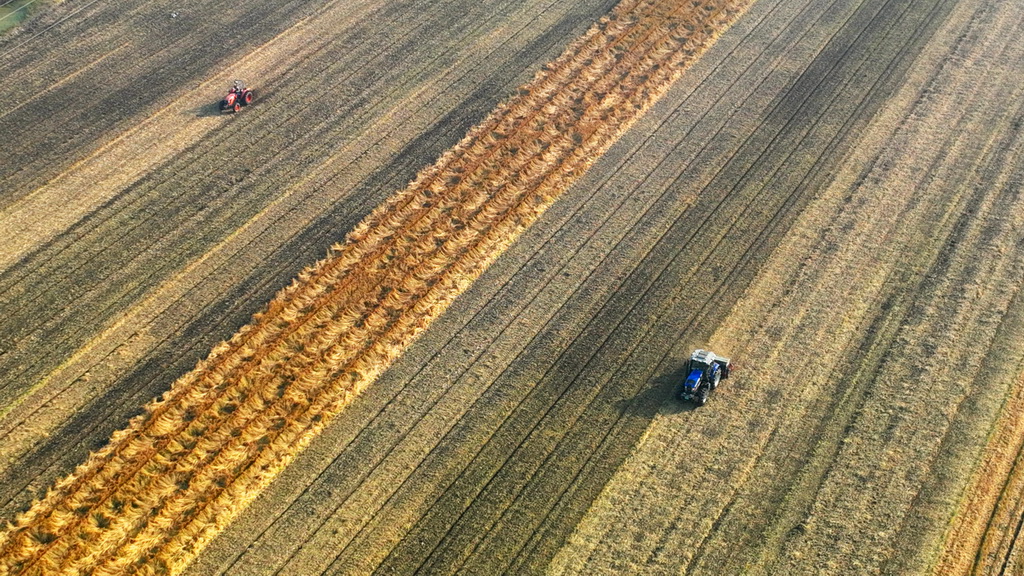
(992, 147)
(938, 262)
(967, 529)
(108, 18)
(903, 121)
(286, 289)
(886, 338)
(232, 235)
(704, 540)
(837, 136)
(1006, 490)
(433, 403)
(145, 53)
(1011, 565)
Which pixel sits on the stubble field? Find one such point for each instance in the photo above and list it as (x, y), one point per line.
(830, 194)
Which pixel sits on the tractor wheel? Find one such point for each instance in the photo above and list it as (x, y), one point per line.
(701, 398)
(247, 99)
(715, 379)
(237, 107)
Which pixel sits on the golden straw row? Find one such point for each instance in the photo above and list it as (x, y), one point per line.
(163, 487)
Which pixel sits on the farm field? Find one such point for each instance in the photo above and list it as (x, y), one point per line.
(830, 195)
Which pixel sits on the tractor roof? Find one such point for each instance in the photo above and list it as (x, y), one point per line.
(704, 356)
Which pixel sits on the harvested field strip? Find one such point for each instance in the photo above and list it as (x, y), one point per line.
(91, 422)
(986, 528)
(750, 505)
(399, 506)
(370, 467)
(460, 498)
(167, 484)
(122, 227)
(544, 469)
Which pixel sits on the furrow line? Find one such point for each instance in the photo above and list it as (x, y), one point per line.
(164, 425)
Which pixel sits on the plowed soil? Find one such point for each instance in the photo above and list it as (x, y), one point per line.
(830, 195)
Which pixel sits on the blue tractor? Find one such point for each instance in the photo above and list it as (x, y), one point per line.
(703, 373)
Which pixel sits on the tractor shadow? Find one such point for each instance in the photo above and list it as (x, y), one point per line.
(659, 397)
(666, 389)
(207, 110)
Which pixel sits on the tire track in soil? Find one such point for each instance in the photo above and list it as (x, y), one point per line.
(589, 420)
(525, 290)
(159, 418)
(305, 567)
(107, 406)
(960, 163)
(982, 535)
(730, 540)
(109, 236)
(789, 437)
(546, 40)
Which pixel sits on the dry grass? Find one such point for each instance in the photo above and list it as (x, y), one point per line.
(163, 487)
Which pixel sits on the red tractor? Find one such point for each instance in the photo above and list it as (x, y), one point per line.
(237, 97)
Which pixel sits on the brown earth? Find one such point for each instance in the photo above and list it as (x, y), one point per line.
(831, 196)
